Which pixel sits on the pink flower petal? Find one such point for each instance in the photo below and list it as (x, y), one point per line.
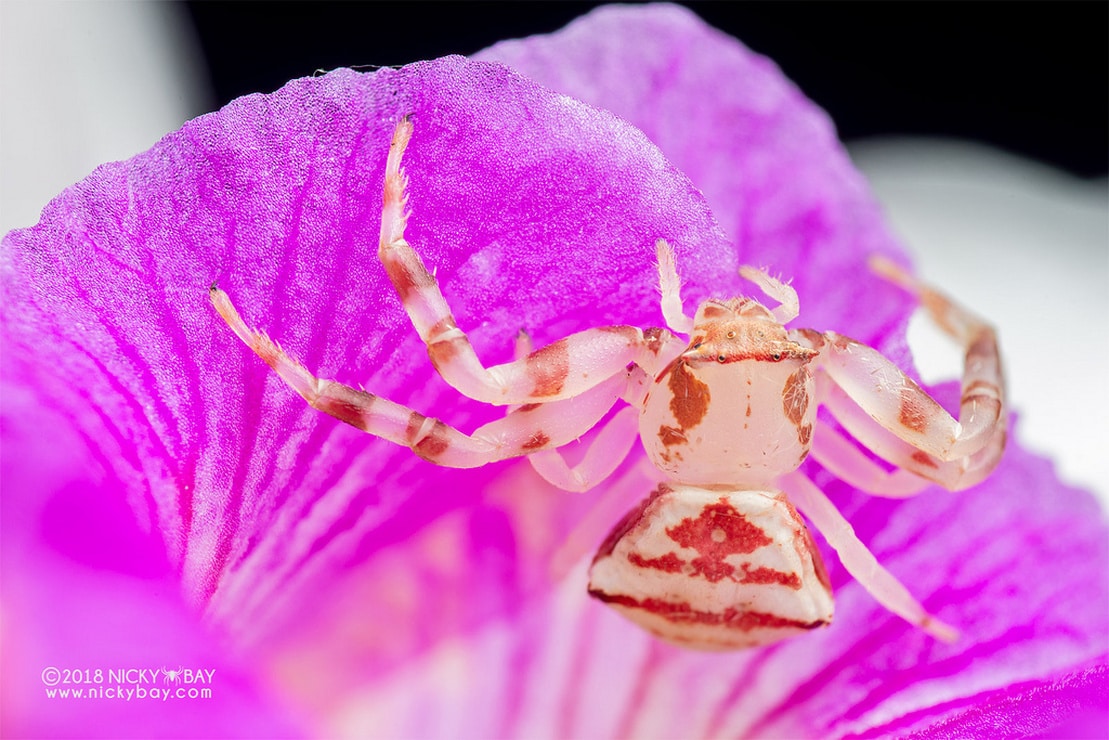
(93, 616)
(991, 560)
(536, 212)
(393, 597)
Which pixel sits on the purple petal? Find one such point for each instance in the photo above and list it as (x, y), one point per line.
(91, 605)
(1071, 705)
(396, 596)
(1030, 604)
(536, 212)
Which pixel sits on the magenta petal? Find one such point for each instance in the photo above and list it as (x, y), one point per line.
(396, 598)
(534, 210)
(1018, 564)
(92, 612)
(1071, 705)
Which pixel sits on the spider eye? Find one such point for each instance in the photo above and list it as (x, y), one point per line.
(731, 335)
(697, 346)
(721, 358)
(776, 356)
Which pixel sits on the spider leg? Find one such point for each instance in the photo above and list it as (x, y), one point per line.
(611, 503)
(558, 371)
(606, 451)
(899, 405)
(520, 349)
(783, 293)
(858, 560)
(983, 384)
(670, 285)
(955, 320)
(954, 475)
(843, 459)
(524, 431)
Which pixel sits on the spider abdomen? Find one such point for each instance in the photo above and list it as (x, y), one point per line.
(714, 569)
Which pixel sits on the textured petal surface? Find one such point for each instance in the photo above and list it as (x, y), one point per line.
(392, 597)
(536, 212)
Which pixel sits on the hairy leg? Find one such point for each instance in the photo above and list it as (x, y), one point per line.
(558, 371)
(606, 451)
(524, 431)
(671, 288)
(954, 475)
(789, 307)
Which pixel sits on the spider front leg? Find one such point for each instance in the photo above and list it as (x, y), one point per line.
(524, 431)
(982, 403)
(789, 307)
(560, 370)
(614, 440)
(954, 475)
(670, 286)
(843, 459)
(896, 418)
(858, 560)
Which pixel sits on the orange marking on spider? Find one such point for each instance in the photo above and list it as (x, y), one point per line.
(549, 369)
(913, 415)
(670, 436)
(923, 458)
(689, 397)
(795, 397)
(536, 441)
(804, 434)
(716, 557)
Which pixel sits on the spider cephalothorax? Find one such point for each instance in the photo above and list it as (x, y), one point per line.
(717, 557)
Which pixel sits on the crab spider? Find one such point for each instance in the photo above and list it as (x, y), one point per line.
(717, 556)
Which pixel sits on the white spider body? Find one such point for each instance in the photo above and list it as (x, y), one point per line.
(717, 557)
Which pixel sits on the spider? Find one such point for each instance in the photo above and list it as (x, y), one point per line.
(716, 557)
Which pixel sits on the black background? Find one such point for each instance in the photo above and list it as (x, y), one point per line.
(1031, 78)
